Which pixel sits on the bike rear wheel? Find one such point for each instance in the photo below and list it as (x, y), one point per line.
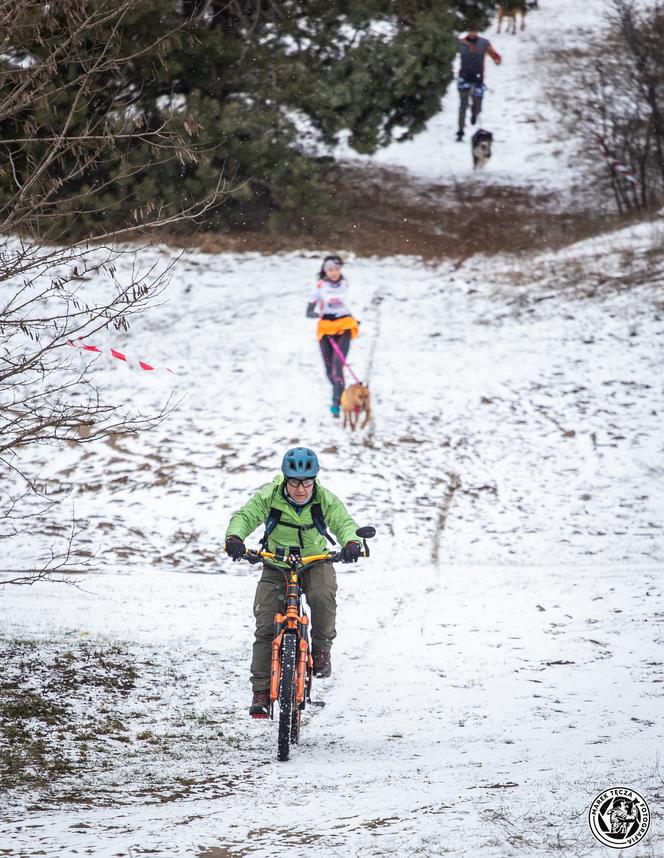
(287, 708)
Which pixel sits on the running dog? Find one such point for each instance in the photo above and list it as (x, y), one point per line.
(354, 401)
(480, 144)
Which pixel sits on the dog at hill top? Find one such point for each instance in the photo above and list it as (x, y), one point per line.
(510, 9)
(356, 400)
(480, 144)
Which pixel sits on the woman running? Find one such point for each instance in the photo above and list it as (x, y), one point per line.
(336, 325)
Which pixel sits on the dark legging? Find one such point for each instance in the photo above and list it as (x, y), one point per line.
(472, 92)
(333, 365)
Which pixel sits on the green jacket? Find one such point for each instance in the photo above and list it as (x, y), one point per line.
(256, 510)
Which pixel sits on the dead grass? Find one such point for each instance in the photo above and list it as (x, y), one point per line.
(40, 740)
(93, 722)
(382, 211)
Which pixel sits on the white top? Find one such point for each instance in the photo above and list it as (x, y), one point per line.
(330, 298)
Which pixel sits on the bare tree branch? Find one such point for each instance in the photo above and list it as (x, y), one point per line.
(71, 128)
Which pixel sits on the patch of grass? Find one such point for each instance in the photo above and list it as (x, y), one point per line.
(25, 752)
(74, 728)
(110, 725)
(31, 705)
(41, 738)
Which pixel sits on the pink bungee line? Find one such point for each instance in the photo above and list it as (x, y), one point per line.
(343, 360)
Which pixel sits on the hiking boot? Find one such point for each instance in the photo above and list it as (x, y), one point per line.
(322, 664)
(335, 410)
(459, 136)
(260, 705)
(473, 116)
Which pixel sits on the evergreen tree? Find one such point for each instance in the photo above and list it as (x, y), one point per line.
(264, 88)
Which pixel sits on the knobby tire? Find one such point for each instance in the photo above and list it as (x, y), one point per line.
(286, 694)
(295, 725)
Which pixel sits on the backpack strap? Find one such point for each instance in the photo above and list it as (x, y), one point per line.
(274, 518)
(319, 522)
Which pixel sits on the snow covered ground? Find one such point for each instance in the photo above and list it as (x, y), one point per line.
(499, 656)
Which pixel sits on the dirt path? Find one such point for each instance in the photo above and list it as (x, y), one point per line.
(391, 212)
(384, 211)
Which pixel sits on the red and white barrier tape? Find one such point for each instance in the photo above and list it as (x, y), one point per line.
(114, 353)
(615, 164)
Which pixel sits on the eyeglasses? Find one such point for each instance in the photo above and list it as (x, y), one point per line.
(294, 484)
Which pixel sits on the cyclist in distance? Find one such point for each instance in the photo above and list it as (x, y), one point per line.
(296, 511)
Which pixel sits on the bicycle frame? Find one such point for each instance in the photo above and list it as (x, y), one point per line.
(291, 673)
(293, 620)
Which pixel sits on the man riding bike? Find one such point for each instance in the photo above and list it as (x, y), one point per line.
(296, 511)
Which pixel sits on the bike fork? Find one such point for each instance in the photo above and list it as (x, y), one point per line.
(303, 651)
(275, 673)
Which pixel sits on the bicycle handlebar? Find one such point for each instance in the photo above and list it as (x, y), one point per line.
(255, 556)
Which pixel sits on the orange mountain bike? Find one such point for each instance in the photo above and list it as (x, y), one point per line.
(292, 664)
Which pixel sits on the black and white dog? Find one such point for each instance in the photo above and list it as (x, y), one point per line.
(480, 144)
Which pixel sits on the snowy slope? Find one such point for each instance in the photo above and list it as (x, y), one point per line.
(497, 661)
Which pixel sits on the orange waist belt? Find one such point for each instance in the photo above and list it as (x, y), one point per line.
(331, 327)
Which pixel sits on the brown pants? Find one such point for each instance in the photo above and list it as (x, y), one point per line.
(319, 585)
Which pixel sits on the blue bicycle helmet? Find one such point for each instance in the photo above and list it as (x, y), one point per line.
(300, 462)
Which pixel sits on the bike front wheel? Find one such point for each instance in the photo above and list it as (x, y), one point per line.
(287, 708)
(295, 724)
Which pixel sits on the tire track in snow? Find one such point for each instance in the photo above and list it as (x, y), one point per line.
(454, 486)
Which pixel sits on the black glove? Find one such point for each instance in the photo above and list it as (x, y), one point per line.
(311, 311)
(235, 548)
(350, 552)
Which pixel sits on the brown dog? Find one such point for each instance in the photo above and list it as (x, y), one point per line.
(355, 400)
(510, 9)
